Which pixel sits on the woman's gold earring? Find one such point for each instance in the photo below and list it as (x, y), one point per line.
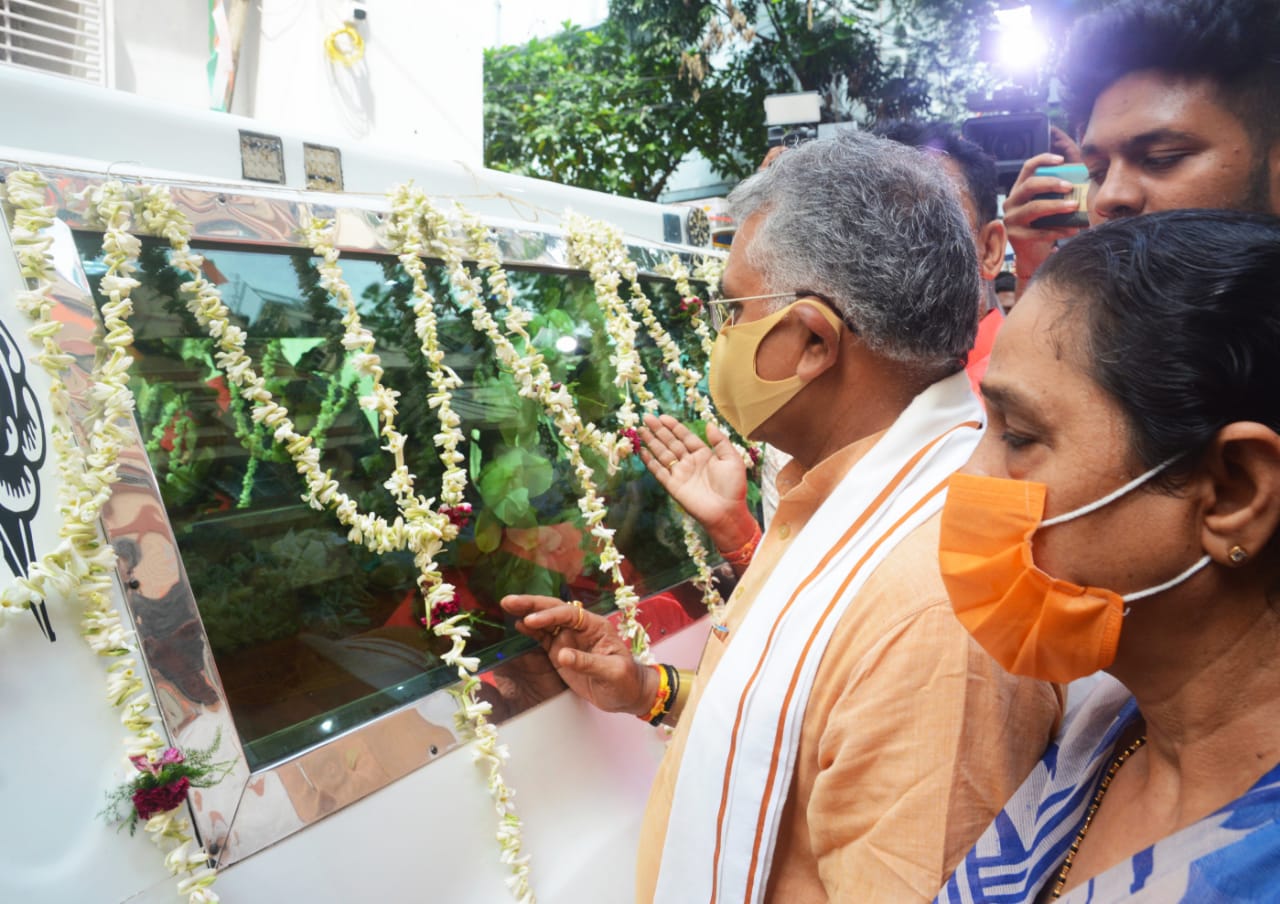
(1237, 555)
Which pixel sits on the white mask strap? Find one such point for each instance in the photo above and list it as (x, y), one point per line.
(1110, 497)
(1167, 585)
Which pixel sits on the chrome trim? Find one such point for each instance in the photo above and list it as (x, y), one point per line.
(249, 811)
(266, 216)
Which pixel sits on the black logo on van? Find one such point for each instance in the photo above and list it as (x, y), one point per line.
(22, 449)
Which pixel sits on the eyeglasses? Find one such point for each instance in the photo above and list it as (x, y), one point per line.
(724, 311)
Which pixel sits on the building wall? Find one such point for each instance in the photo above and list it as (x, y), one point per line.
(418, 88)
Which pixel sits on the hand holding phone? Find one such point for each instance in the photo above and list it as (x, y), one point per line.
(1078, 176)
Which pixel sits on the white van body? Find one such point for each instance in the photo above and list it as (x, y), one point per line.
(398, 824)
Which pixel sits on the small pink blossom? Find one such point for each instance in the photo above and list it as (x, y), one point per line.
(458, 514)
(445, 610)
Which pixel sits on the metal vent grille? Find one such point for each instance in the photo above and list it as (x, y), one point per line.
(62, 36)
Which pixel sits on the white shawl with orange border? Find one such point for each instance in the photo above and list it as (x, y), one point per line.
(741, 749)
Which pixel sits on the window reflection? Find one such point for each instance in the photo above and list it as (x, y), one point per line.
(313, 635)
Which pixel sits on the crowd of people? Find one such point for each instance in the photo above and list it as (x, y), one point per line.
(1016, 649)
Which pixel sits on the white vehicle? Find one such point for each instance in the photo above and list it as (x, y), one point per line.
(252, 618)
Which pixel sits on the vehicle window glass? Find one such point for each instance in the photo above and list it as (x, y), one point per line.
(311, 634)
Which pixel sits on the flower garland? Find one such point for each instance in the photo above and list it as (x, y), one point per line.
(535, 382)
(422, 522)
(81, 566)
(598, 249)
(471, 716)
(404, 230)
(161, 784)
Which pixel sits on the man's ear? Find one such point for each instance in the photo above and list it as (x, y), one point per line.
(822, 347)
(991, 245)
(1243, 508)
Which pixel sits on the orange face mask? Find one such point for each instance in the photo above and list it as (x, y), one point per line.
(1031, 623)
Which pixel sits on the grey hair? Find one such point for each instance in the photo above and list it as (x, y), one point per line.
(878, 229)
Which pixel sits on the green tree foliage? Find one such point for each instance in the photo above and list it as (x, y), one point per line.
(617, 107)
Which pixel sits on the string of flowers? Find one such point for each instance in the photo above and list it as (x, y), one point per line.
(708, 272)
(404, 231)
(418, 528)
(535, 382)
(597, 248)
(471, 718)
(600, 247)
(81, 566)
(426, 529)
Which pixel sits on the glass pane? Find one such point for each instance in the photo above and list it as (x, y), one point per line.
(312, 634)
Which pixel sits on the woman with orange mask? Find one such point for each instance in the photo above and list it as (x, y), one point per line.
(1122, 513)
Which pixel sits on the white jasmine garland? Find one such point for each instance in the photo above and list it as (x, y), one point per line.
(472, 723)
(535, 382)
(404, 231)
(708, 273)
(81, 565)
(703, 581)
(598, 248)
(426, 529)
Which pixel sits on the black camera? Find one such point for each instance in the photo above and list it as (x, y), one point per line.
(790, 136)
(1010, 138)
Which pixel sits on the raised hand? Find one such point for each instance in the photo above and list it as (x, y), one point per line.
(709, 482)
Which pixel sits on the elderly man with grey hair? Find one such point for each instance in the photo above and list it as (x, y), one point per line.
(843, 738)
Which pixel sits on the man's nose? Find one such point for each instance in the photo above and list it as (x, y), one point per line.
(1118, 195)
(984, 462)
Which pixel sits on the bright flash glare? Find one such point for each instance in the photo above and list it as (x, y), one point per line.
(1020, 47)
(567, 344)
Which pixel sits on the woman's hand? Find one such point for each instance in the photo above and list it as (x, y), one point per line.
(587, 652)
(709, 482)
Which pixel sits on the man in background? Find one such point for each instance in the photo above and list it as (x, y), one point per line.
(1177, 104)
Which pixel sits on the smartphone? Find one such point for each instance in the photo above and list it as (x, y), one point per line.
(1078, 175)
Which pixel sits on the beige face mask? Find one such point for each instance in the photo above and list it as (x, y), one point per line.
(744, 399)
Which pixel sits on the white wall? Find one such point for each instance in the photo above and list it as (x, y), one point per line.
(418, 89)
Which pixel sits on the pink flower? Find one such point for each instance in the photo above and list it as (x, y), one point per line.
(172, 756)
(446, 609)
(459, 514)
(150, 801)
(631, 434)
(143, 764)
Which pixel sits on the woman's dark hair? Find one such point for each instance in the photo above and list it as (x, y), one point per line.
(1182, 315)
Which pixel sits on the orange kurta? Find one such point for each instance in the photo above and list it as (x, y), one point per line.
(912, 740)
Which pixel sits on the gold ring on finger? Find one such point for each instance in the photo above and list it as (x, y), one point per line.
(582, 615)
